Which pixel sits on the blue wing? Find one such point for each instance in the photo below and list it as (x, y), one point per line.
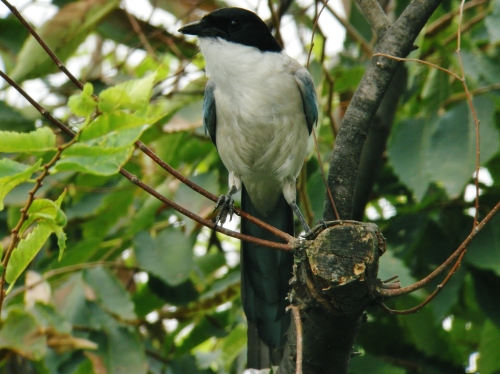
(309, 100)
(209, 114)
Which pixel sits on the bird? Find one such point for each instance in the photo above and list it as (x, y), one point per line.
(259, 109)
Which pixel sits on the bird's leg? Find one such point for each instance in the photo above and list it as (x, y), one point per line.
(301, 217)
(226, 205)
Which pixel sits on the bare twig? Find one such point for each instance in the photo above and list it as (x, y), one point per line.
(478, 91)
(16, 236)
(454, 257)
(298, 329)
(323, 176)
(315, 25)
(32, 31)
(432, 295)
(150, 190)
(447, 17)
(139, 144)
(473, 111)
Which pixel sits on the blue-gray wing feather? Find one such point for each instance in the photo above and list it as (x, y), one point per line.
(209, 111)
(309, 100)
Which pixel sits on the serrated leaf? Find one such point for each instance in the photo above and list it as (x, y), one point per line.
(63, 34)
(169, 256)
(26, 252)
(93, 159)
(12, 174)
(20, 333)
(134, 94)
(46, 211)
(40, 140)
(109, 122)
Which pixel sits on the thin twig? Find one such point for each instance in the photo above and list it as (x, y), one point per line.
(432, 295)
(478, 91)
(151, 191)
(473, 111)
(455, 255)
(315, 25)
(16, 235)
(139, 144)
(280, 234)
(298, 329)
(322, 172)
(446, 18)
(51, 54)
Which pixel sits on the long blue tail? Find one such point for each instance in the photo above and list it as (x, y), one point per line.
(265, 275)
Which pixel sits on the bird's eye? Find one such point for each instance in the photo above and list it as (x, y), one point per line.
(234, 25)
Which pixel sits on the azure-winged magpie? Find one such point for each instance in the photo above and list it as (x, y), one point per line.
(259, 110)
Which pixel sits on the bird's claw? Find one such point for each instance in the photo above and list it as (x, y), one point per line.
(225, 204)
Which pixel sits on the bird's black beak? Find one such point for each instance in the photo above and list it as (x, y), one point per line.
(201, 28)
(195, 28)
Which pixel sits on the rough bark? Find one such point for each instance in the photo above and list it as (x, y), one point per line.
(333, 282)
(336, 275)
(396, 40)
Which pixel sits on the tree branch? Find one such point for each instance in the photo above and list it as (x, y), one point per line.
(375, 15)
(397, 40)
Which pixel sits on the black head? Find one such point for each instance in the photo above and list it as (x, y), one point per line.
(235, 25)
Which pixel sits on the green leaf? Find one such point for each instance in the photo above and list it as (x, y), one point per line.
(134, 94)
(20, 333)
(108, 122)
(93, 159)
(452, 148)
(407, 152)
(169, 256)
(111, 294)
(12, 34)
(436, 89)
(47, 316)
(484, 250)
(40, 140)
(26, 251)
(46, 211)
(233, 344)
(488, 349)
(126, 352)
(391, 265)
(442, 149)
(113, 210)
(12, 174)
(486, 289)
(83, 104)
(63, 34)
(492, 23)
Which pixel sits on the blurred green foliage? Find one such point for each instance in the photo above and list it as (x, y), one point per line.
(141, 288)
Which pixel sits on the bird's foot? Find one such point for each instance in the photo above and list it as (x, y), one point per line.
(225, 204)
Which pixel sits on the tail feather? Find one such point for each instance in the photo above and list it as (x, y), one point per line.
(264, 285)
